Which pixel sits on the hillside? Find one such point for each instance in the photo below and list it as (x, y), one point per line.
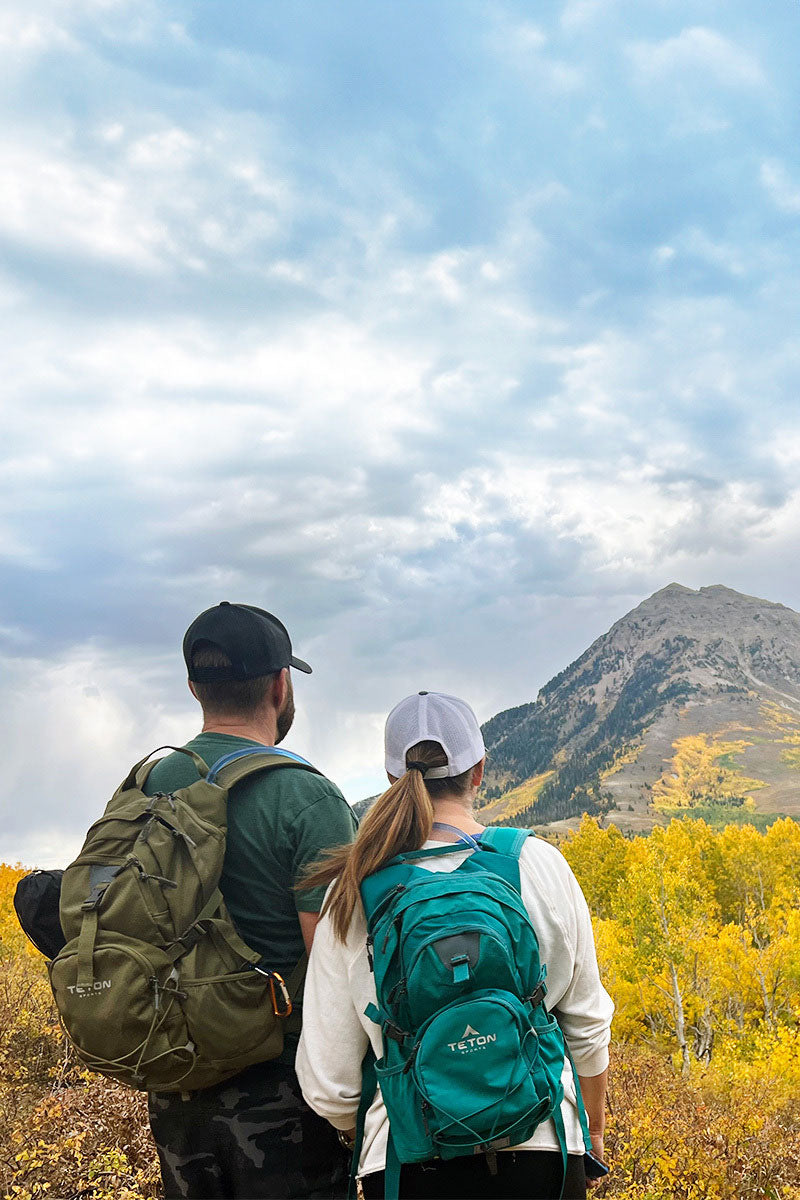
(690, 703)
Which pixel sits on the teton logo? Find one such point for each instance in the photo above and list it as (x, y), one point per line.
(472, 1040)
(99, 985)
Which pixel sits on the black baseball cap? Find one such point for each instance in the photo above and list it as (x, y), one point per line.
(255, 641)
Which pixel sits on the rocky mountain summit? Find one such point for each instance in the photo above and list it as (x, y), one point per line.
(690, 701)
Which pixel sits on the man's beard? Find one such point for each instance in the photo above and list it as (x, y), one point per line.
(286, 715)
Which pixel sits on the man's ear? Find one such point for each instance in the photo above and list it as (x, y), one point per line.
(191, 688)
(280, 686)
(477, 772)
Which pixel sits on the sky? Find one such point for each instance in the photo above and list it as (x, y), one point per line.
(447, 331)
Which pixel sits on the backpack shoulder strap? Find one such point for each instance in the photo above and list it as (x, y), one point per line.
(137, 776)
(505, 841)
(369, 1086)
(378, 889)
(499, 853)
(232, 768)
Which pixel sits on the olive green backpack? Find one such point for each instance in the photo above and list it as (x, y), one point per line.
(154, 986)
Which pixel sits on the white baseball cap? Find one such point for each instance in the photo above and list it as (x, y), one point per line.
(433, 717)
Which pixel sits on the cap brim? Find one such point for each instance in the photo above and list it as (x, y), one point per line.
(299, 665)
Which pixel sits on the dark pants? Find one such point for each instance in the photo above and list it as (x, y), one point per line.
(529, 1174)
(250, 1138)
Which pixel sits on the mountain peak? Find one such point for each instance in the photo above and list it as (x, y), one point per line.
(674, 588)
(711, 591)
(681, 662)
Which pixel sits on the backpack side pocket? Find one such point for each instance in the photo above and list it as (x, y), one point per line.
(407, 1108)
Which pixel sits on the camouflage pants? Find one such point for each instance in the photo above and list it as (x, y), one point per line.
(252, 1138)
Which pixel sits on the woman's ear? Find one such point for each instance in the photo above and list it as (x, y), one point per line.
(477, 772)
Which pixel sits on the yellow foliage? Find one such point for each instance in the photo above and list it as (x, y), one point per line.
(787, 724)
(63, 1132)
(698, 938)
(698, 933)
(628, 754)
(517, 799)
(689, 1138)
(12, 939)
(599, 858)
(697, 776)
(779, 717)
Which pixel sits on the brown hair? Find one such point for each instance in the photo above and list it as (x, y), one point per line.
(399, 821)
(231, 697)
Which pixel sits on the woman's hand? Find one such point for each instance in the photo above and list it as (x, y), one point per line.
(347, 1137)
(593, 1090)
(598, 1151)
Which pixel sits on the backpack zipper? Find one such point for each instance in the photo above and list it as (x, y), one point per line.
(378, 912)
(395, 922)
(505, 902)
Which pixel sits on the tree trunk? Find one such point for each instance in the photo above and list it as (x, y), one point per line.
(769, 1014)
(703, 1033)
(680, 1024)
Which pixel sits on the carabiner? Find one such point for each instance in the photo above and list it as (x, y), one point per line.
(286, 1011)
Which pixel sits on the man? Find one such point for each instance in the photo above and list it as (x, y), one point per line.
(253, 1136)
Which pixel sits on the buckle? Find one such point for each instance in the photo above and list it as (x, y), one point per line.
(190, 937)
(538, 996)
(94, 898)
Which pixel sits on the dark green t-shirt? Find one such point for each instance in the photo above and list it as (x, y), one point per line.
(278, 823)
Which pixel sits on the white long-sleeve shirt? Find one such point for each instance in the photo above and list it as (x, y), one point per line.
(340, 985)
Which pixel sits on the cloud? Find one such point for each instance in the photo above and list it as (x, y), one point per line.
(698, 51)
(376, 334)
(150, 201)
(781, 188)
(90, 708)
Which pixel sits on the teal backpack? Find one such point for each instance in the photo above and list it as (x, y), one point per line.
(472, 1060)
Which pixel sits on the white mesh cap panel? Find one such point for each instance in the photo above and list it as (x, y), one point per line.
(433, 717)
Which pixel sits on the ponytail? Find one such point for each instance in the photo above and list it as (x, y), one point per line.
(400, 821)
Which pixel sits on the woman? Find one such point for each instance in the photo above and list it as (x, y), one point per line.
(435, 760)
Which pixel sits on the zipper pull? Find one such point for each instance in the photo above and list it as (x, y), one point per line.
(370, 958)
(407, 1068)
(396, 923)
